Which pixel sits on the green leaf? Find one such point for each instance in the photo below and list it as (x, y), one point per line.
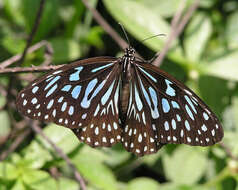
(235, 110)
(218, 93)
(39, 180)
(143, 23)
(143, 183)
(197, 35)
(49, 18)
(94, 36)
(13, 9)
(65, 49)
(173, 186)
(39, 150)
(5, 123)
(8, 171)
(224, 67)
(232, 30)
(186, 165)
(65, 183)
(19, 185)
(13, 44)
(63, 137)
(115, 155)
(163, 7)
(151, 159)
(231, 134)
(95, 172)
(169, 186)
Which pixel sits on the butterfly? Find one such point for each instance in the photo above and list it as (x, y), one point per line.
(108, 100)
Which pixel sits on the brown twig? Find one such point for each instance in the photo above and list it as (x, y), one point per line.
(174, 23)
(17, 57)
(61, 154)
(228, 151)
(30, 69)
(101, 21)
(176, 28)
(33, 31)
(15, 144)
(187, 16)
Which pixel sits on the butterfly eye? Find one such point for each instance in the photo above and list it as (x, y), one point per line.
(86, 97)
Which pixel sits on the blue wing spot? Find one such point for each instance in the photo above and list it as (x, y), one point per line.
(170, 91)
(63, 108)
(189, 112)
(190, 103)
(187, 125)
(173, 122)
(84, 117)
(100, 68)
(107, 94)
(52, 82)
(155, 111)
(178, 117)
(35, 89)
(50, 77)
(143, 118)
(181, 133)
(205, 116)
(60, 99)
(204, 128)
(71, 110)
(50, 104)
(145, 93)
(76, 91)
(130, 100)
(57, 72)
(34, 101)
(138, 100)
(75, 75)
(153, 95)
(175, 104)
(166, 125)
(51, 90)
(97, 90)
(194, 101)
(149, 75)
(86, 100)
(66, 88)
(165, 105)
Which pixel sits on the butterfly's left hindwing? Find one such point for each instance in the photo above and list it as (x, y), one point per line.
(83, 95)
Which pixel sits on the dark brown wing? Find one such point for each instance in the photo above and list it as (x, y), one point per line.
(82, 96)
(162, 110)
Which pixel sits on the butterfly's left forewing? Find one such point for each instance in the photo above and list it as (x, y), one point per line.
(83, 96)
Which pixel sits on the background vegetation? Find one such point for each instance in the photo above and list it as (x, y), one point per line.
(204, 57)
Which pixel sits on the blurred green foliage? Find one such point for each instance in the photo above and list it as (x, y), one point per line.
(205, 57)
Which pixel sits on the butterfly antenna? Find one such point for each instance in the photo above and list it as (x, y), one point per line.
(153, 37)
(124, 31)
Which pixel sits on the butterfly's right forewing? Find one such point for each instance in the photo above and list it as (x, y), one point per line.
(83, 95)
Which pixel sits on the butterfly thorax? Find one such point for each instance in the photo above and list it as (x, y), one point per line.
(127, 60)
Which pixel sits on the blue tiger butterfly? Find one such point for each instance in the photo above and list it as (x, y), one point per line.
(108, 100)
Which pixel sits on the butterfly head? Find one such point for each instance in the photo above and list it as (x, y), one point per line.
(129, 52)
